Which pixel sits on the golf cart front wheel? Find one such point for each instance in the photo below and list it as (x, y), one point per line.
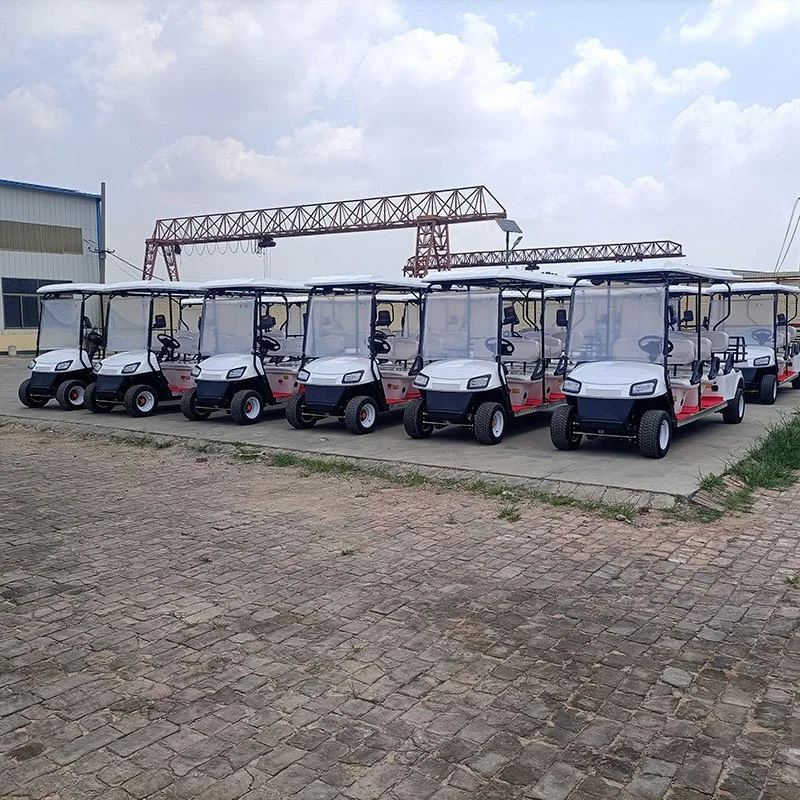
(296, 412)
(91, 402)
(246, 407)
(141, 400)
(361, 415)
(796, 382)
(189, 407)
(655, 434)
(414, 420)
(70, 395)
(24, 394)
(562, 428)
(733, 413)
(490, 423)
(768, 390)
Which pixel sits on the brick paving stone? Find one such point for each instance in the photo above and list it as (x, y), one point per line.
(238, 653)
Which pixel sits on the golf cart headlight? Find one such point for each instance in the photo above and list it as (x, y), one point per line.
(233, 374)
(481, 382)
(97, 366)
(129, 368)
(63, 365)
(421, 381)
(32, 364)
(303, 375)
(353, 377)
(761, 361)
(571, 386)
(643, 389)
(195, 372)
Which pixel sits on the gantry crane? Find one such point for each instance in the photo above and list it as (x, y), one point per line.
(430, 213)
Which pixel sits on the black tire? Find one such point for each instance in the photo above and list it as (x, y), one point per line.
(413, 420)
(562, 428)
(796, 382)
(490, 423)
(768, 390)
(247, 405)
(24, 394)
(141, 400)
(91, 402)
(361, 415)
(189, 407)
(733, 413)
(70, 395)
(655, 434)
(295, 413)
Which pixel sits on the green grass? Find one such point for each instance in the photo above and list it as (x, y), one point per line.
(773, 462)
(509, 511)
(793, 581)
(155, 442)
(712, 482)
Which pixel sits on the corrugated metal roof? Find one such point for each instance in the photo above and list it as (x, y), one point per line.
(36, 187)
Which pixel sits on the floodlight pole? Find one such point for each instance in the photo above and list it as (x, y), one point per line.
(508, 247)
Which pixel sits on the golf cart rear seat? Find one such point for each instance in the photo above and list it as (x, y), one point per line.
(189, 343)
(401, 348)
(783, 339)
(553, 347)
(720, 341)
(678, 337)
(526, 354)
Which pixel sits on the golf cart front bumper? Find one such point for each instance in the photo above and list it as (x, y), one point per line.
(329, 400)
(44, 384)
(111, 388)
(451, 407)
(751, 377)
(214, 394)
(605, 416)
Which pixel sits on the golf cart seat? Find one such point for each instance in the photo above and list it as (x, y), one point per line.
(402, 348)
(332, 344)
(687, 336)
(526, 354)
(457, 341)
(553, 347)
(629, 350)
(683, 350)
(291, 347)
(720, 341)
(189, 343)
(785, 337)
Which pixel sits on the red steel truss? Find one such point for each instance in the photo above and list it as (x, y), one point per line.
(429, 212)
(532, 257)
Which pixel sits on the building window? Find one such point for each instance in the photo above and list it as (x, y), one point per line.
(33, 237)
(21, 304)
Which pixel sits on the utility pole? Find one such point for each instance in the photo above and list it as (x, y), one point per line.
(101, 233)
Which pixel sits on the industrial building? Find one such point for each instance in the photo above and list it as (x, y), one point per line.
(47, 235)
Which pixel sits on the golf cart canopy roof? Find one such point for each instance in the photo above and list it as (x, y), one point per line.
(156, 287)
(76, 288)
(755, 288)
(497, 276)
(253, 285)
(397, 298)
(653, 273)
(549, 294)
(371, 283)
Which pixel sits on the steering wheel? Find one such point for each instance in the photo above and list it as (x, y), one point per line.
(268, 344)
(170, 342)
(380, 334)
(653, 345)
(762, 336)
(380, 344)
(95, 337)
(506, 346)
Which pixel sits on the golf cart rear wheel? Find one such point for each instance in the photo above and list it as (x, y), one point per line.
(141, 400)
(91, 402)
(70, 395)
(189, 407)
(655, 434)
(768, 390)
(295, 412)
(414, 422)
(246, 407)
(733, 413)
(361, 415)
(24, 394)
(562, 428)
(796, 382)
(490, 423)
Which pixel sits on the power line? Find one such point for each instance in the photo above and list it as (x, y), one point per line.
(95, 248)
(783, 253)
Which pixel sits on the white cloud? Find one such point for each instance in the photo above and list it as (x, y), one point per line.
(740, 21)
(521, 20)
(34, 109)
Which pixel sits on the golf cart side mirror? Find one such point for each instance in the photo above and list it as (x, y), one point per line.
(87, 323)
(160, 321)
(561, 318)
(384, 319)
(688, 315)
(510, 316)
(781, 319)
(705, 323)
(670, 315)
(267, 322)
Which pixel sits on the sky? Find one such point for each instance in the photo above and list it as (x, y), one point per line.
(592, 121)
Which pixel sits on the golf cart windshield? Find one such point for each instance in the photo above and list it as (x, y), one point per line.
(339, 325)
(616, 323)
(461, 325)
(60, 323)
(128, 323)
(227, 325)
(751, 317)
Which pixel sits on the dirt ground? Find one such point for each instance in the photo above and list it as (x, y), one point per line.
(178, 624)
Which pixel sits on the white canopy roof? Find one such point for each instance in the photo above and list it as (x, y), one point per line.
(755, 288)
(254, 285)
(497, 276)
(549, 294)
(77, 288)
(369, 282)
(650, 272)
(156, 287)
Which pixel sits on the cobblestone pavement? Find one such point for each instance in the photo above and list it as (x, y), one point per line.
(174, 625)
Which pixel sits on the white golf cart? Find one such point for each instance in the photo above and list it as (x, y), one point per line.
(759, 314)
(248, 359)
(152, 350)
(632, 374)
(477, 368)
(66, 345)
(354, 365)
